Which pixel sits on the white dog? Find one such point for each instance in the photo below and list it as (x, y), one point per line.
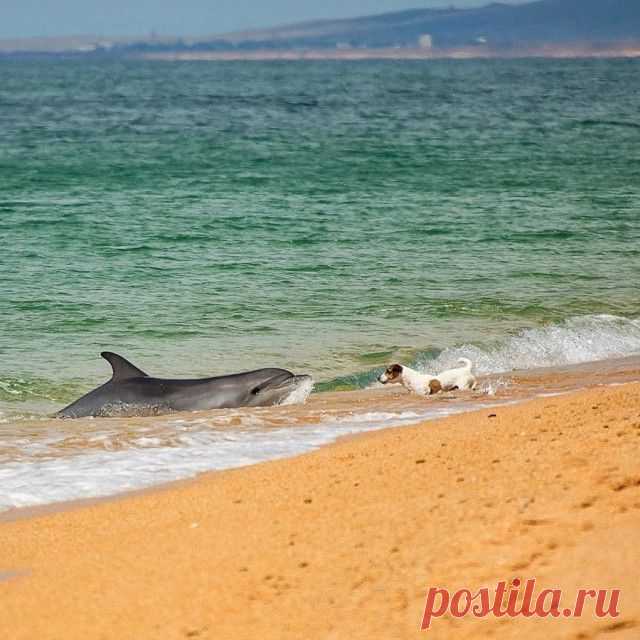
(423, 384)
(460, 378)
(426, 384)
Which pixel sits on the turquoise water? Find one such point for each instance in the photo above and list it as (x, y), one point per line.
(328, 217)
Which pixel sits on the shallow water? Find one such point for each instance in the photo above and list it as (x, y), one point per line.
(44, 461)
(53, 464)
(327, 217)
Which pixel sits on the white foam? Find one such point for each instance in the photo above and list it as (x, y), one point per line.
(196, 446)
(491, 387)
(300, 393)
(577, 340)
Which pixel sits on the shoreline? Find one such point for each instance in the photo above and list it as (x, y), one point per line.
(400, 53)
(29, 48)
(345, 540)
(524, 386)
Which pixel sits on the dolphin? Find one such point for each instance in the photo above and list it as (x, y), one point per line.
(131, 392)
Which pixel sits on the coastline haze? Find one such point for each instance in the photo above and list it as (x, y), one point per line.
(31, 19)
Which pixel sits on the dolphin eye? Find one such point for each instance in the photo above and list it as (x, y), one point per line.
(255, 391)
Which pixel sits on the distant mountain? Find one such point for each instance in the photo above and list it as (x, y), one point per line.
(499, 25)
(495, 27)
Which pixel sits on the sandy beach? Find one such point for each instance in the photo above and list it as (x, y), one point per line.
(344, 542)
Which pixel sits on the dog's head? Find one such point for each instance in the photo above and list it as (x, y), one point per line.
(392, 373)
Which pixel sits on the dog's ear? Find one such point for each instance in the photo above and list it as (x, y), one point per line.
(393, 371)
(434, 386)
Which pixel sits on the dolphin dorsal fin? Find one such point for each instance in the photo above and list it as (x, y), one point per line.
(122, 368)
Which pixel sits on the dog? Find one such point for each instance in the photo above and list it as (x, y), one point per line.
(460, 378)
(426, 384)
(423, 384)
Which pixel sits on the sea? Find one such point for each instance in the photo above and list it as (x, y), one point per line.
(328, 217)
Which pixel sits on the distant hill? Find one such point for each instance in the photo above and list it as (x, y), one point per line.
(495, 26)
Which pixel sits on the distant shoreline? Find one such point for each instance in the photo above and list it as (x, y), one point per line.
(401, 53)
(554, 29)
(626, 50)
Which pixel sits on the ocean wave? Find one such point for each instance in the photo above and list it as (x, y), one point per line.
(574, 341)
(609, 123)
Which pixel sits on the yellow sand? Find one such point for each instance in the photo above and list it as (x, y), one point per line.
(344, 542)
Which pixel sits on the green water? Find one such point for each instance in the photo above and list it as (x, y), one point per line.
(204, 218)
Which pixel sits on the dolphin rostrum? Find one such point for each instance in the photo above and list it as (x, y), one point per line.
(131, 392)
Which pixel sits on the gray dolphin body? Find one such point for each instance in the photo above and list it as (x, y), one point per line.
(131, 392)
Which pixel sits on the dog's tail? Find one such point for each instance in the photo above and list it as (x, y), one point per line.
(466, 362)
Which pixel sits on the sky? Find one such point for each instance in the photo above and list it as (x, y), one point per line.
(26, 18)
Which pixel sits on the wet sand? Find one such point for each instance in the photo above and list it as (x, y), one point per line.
(344, 542)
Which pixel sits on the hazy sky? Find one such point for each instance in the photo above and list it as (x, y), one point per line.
(22, 18)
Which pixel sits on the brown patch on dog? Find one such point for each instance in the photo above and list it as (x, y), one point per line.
(434, 386)
(393, 372)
